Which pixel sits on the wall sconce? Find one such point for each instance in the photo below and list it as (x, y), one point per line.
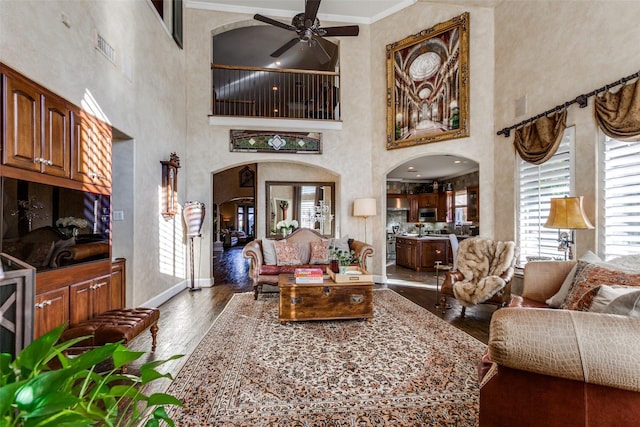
(364, 208)
(170, 186)
(567, 213)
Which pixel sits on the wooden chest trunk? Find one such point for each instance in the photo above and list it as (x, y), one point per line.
(326, 301)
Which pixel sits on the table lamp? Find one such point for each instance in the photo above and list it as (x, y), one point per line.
(566, 213)
(364, 208)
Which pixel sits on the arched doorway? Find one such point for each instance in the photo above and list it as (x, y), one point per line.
(428, 198)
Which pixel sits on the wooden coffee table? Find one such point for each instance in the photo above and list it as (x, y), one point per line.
(324, 301)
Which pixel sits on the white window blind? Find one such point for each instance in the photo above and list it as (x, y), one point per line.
(537, 185)
(620, 227)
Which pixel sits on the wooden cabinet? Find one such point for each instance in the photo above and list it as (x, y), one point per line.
(421, 254)
(89, 298)
(406, 252)
(432, 251)
(473, 203)
(36, 135)
(429, 200)
(446, 207)
(413, 208)
(51, 309)
(118, 283)
(91, 147)
(74, 294)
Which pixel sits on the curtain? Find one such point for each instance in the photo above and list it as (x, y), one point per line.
(537, 142)
(618, 114)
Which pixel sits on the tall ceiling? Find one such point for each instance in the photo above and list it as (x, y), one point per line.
(352, 11)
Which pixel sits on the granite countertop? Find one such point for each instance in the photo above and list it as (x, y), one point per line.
(432, 237)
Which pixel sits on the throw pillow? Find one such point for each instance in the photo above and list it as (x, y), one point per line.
(304, 251)
(286, 253)
(604, 295)
(590, 276)
(557, 300)
(269, 251)
(319, 252)
(341, 244)
(626, 305)
(60, 246)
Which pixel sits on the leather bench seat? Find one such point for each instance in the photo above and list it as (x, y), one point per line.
(115, 325)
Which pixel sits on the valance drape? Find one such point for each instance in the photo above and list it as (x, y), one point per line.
(538, 141)
(618, 113)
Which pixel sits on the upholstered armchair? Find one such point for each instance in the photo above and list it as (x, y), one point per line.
(484, 271)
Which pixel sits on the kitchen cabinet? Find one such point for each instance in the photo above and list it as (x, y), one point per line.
(421, 254)
(36, 135)
(406, 252)
(432, 251)
(51, 309)
(446, 207)
(413, 208)
(429, 200)
(91, 146)
(473, 203)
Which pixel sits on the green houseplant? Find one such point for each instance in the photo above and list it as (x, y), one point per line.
(76, 394)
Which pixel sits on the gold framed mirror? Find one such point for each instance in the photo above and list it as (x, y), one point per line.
(311, 204)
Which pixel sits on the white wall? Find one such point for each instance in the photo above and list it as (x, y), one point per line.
(142, 95)
(551, 52)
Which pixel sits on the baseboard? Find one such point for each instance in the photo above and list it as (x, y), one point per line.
(165, 296)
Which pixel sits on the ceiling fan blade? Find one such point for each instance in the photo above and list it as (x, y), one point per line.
(321, 53)
(285, 47)
(347, 30)
(268, 20)
(310, 11)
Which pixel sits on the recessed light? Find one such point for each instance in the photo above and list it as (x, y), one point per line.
(411, 168)
(418, 176)
(457, 161)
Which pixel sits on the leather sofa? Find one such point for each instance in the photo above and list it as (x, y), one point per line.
(261, 273)
(558, 367)
(45, 248)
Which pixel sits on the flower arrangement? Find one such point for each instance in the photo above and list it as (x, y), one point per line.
(286, 226)
(72, 225)
(72, 221)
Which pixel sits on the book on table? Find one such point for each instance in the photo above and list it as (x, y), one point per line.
(308, 275)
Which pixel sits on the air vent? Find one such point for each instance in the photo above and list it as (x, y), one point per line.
(106, 49)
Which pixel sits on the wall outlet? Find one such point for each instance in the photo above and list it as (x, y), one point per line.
(118, 215)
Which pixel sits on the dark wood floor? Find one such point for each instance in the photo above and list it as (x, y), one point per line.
(187, 317)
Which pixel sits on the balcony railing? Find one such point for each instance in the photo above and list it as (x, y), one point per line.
(275, 93)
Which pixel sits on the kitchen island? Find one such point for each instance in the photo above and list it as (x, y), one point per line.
(421, 253)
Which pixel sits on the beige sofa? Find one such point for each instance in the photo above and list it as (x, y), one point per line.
(559, 367)
(261, 273)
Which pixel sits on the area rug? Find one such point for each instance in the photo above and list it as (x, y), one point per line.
(406, 367)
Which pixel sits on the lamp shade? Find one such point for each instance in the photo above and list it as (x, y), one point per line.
(567, 212)
(364, 207)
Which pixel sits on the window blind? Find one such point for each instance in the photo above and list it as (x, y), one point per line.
(620, 227)
(537, 185)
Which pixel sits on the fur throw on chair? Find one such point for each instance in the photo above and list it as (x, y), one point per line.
(482, 262)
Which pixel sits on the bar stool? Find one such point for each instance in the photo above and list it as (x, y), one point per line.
(439, 267)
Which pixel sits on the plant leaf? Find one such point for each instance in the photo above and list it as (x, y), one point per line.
(53, 403)
(127, 391)
(163, 399)
(31, 357)
(7, 396)
(123, 355)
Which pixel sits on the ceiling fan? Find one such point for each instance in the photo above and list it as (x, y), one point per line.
(308, 29)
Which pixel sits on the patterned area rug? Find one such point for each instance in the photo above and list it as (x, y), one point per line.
(406, 367)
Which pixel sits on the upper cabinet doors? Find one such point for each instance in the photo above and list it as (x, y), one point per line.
(91, 147)
(36, 131)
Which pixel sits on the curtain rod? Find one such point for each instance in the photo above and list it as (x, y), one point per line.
(582, 100)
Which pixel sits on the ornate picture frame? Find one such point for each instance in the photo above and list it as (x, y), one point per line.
(428, 85)
(170, 186)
